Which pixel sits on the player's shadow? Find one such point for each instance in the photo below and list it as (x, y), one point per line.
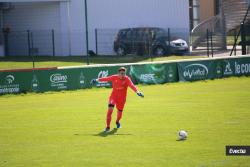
(105, 134)
(110, 133)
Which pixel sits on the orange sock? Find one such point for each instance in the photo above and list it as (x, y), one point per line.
(119, 116)
(109, 117)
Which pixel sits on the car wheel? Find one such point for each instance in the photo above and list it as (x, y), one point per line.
(120, 51)
(159, 51)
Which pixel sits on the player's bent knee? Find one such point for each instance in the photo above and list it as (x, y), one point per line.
(111, 105)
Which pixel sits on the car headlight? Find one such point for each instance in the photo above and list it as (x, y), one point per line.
(184, 44)
(172, 44)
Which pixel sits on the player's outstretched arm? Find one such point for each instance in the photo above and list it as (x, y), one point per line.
(104, 79)
(134, 88)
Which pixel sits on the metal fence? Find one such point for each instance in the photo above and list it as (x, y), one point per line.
(245, 38)
(142, 41)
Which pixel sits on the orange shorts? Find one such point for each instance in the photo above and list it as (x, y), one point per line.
(117, 101)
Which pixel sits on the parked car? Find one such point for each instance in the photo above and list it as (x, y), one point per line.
(152, 40)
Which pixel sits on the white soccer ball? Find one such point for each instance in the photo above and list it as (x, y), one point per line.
(182, 134)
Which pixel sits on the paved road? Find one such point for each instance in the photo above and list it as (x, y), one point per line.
(219, 53)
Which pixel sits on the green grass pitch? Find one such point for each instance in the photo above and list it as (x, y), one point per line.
(63, 128)
(48, 61)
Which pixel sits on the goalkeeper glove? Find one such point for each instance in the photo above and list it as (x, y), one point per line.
(140, 94)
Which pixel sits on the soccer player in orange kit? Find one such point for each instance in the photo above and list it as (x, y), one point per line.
(120, 83)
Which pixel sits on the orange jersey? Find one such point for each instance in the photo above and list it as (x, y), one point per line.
(119, 85)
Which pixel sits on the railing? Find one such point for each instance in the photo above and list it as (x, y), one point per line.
(242, 25)
(199, 32)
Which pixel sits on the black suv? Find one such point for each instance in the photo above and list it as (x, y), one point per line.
(142, 41)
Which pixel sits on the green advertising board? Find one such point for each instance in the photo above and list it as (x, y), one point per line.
(55, 80)
(154, 73)
(69, 79)
(236, 67)
(15, 82)
(199, 70)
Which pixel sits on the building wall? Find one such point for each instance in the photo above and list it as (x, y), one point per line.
(111, 15)
(201, 10)
(35, 16)
(68, 20)
(207, 9)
